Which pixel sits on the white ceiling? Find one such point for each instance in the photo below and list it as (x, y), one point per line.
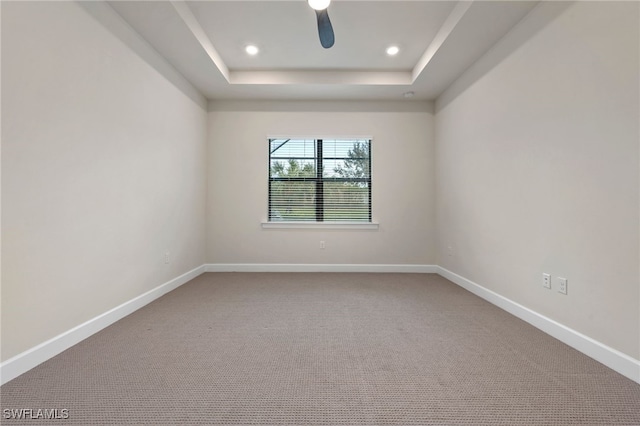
(205, 40)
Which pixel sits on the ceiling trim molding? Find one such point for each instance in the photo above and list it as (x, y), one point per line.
(103, 13)
(371, 78)
(190, 20)
(448, 26)
(320, 106)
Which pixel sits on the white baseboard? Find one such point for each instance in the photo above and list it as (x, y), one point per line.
(313, 267)
(616, 360)
(612, 358)
(25, 361)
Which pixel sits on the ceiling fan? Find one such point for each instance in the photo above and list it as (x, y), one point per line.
(325, 30)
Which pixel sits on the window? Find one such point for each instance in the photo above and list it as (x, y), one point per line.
(320, 180)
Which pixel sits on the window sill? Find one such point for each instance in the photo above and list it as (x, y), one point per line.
(320, 225)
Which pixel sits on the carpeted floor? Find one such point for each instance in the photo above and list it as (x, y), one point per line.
(323, 349)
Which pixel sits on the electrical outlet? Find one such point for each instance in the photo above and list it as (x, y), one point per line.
(166, 257)
(562, 285)
(321, 244)
(450, 251)
(546, 280)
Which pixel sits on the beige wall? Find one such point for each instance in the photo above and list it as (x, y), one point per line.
(103, 170)
(537, 169)
(402, 188)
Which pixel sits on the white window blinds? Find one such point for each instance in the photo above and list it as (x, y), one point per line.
(320, 180)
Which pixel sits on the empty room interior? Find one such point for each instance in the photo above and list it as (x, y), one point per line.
(353, 213)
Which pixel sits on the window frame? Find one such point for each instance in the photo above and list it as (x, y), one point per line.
(320, 180)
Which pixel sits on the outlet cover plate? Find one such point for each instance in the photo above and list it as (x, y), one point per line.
(562, 285)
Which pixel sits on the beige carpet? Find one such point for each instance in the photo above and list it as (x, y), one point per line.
(324, 349)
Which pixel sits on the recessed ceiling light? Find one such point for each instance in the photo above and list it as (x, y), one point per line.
(319, 4)
(251, 49)
(392, 50)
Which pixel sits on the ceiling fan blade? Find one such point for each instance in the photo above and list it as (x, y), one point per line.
(325, 30)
